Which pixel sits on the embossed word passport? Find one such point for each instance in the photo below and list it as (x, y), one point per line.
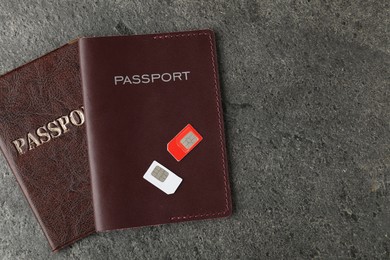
(42, 136)
(154, 128)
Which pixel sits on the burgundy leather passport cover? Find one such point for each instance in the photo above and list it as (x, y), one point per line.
(51, 169)
(131, 120)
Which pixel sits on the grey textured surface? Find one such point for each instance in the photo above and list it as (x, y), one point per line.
(306, 93)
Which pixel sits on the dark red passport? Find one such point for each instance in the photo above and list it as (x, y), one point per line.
(140, 92)
(42, 136)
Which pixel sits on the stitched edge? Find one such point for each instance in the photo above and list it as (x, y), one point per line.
(207, 214)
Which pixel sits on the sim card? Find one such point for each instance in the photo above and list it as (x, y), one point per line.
(184, 142)
(162, 178)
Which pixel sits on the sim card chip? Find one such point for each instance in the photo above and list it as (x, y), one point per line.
(162, 178)
(183, 143)
(189, 140)
(159, 173)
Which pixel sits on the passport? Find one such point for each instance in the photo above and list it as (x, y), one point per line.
(42, 136)
(155, 129)
(117, 132)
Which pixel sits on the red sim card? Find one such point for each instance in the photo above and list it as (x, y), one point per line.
(184, 142)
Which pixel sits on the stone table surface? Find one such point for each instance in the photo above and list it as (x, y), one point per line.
(306, 96)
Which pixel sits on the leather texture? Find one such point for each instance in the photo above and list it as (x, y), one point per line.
(54, 177)
(129, 126)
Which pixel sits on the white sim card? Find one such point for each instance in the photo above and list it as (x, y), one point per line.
(162, 178)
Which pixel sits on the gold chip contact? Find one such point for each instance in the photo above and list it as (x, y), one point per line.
(189, 140)
(159, 173)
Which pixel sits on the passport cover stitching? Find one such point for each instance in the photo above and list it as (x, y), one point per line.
(226, 209)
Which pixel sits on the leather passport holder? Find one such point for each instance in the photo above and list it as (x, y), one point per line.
(42, 136)
(140, 92)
